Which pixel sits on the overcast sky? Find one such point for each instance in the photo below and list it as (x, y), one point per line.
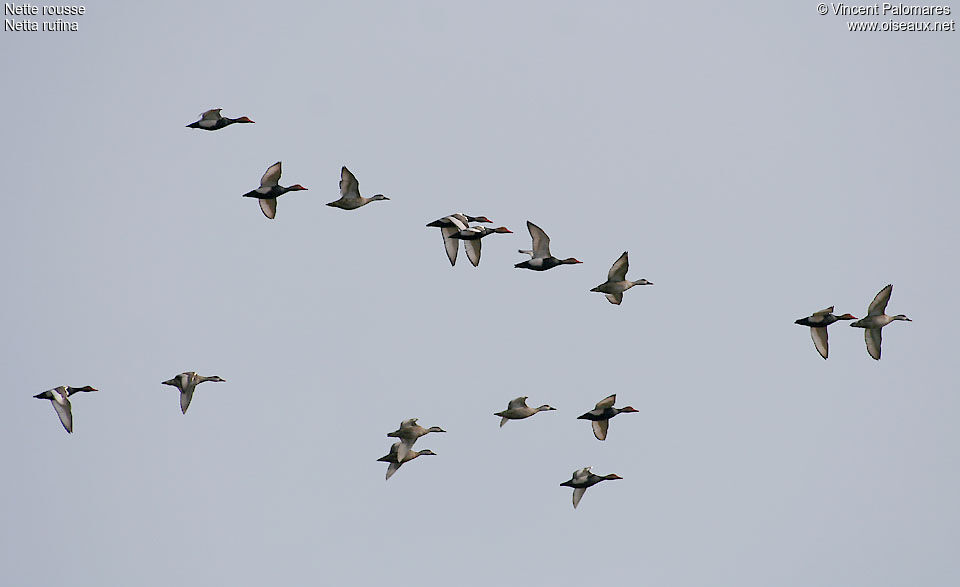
(758, 161)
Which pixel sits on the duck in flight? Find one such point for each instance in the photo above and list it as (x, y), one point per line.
(541, 259)
(211, 120)
(60, 398)
(471, 239)
(187, 383)
(617, 281)
(818, 322)
(600, 415)
(350, 198)
(876, 319)
(270, 189)
(517, 409)
(583, 479)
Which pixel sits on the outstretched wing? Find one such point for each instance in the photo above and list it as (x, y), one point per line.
(473, 250)
(600, 428)
(349, 186)
(615, 298)
(520, 402)
(824, 311)
(618, 272)
(879, 305)
(541, 242)
(212, 114)
(66, 415)
(578, 495)
(819, 336)
(185, 397)
(271, 177)
(873, 338)
(607, 402)
(269, 207)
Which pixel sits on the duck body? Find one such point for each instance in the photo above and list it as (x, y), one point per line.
(60, 398)
(876, 319)
(617, 281)
(517, 409)
(187, 383)
(211, 120)
(350, 198)
(541, 259)
(583, 479)
(818, 322)
(270, 189)
(601, 414)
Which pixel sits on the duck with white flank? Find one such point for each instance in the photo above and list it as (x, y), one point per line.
(350, 198)
(541, 257)
(818, 322)
(451, 224)
(187, 383)
(408, 433)
(396, 461)
(877, 319)
(59, 397)
(600, 415)
(211, 120)
(517, 409)
(270, 190)
(471, 239)
(617, 281)
(582, 479)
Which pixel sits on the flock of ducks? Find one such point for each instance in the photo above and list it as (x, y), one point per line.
(876, 319)
(454, 229)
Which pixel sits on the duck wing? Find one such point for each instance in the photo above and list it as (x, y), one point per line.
(578, 495)
(271, 176)
(65, 413)
(212, 114)
(473, 250)
(879, 305)
(615, 299)
(520, 402)
(349, 186)
(618, 272)
(541, 242)
(873, 338)
(607, 402)
(819, 336)
(269, 207)
(600, 428)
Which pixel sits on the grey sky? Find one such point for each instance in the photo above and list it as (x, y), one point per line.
(758, 161)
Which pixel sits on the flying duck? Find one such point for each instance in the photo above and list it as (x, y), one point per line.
(395, 461)
(471, 239)
(617, 282)
(582, 479)
(350, 198)
(270, 190)
(541, 257)
(187, 383)
(517, 409)
(211, 120)
(600, 415)
(818, 322)
(876, 319)
(59, 397)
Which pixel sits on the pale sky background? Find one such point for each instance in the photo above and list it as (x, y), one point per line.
(758, 161)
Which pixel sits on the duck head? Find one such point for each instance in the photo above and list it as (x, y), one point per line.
(902, 317)
(628, 409)
(379, 197)
(477, 218)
